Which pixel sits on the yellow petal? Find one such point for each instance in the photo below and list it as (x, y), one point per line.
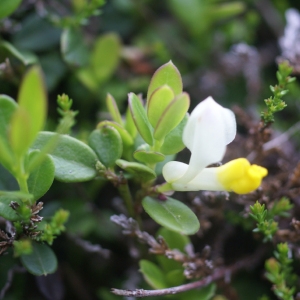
(240, 176)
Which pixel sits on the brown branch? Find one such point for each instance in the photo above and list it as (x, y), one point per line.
(219, 273)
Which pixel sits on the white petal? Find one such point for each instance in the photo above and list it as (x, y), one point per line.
(205, 180)
(173, 170)
(209, 129)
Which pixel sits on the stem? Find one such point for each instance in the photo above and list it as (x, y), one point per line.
(124, 191)
(22, 177)
(219, 273)
(165, 187)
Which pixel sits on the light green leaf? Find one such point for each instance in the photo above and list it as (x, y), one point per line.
(87, 77)
(158, 102)
(172, 214)
(140, 119)
(205, 293)
(144, 154)
(7, 109)
(6, 211)
(41, 179)
(175, 277)
(41, 261)
(129, 124)
(74, 160)
(7, 7)
(73, 48)
(105, 56)
(153, 274)
(167, 74)
(139, 171)
(107, 143)
(173, 141)
(172, 116)
(125, 136)
(30, 116)
(113, 109)
(227, 10)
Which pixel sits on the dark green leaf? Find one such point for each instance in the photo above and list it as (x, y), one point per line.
(107, 144)
(41, 261)
(6, 211)
(139, 171)
(73, 48)
(74, 161)
(41, 179)
(172, 214)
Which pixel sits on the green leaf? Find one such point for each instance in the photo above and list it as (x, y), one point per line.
(7, 7)
(129, 124)
(205, 293)
(175, 277)
(145, 155)
(41, 179)
(173, 141)
(174, 239)
(73, 48)
(6, 211)
(140, 119)
(139, 171)
(36, 34)
(107, 143)
(172, 214)
(153, 274)
(16, 58)
(158, 102)
(74, 160)
(172, 116)
(30, 116)
(113, 109)
(125, 136)
(227, 10)
(7, 108)
(41, 261)
(105, 56)
(167, 74)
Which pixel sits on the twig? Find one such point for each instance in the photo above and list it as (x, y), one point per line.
(219, 273)
(10, 276)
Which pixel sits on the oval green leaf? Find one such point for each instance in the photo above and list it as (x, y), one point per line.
(167, 74)
(73, 48)
(158, 102)
(172, 116)
(173, 141)
(6, 211)
(41, 179)
(153, 275)
(172, 214)
(113, 109)
(105, 56)
(125, 136)
(140, 119)
(139, 171)
(74, 160)
(41, 261)
(107, 144)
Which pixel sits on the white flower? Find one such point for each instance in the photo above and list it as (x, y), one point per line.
(209, 129)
